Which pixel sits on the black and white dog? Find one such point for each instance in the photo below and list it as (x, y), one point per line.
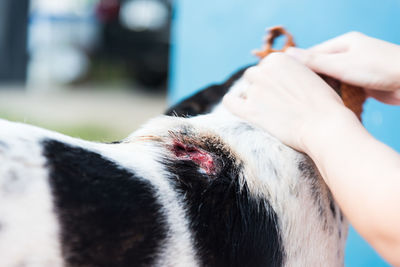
(199, 188)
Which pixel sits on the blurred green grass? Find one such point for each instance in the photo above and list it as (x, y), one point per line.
(87, 131)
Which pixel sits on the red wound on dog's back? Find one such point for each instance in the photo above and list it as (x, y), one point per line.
(199, 156)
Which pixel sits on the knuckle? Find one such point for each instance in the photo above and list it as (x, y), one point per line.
(310, 59)
(250, 73)
(251, 90)
(354, 34)
(277, 56)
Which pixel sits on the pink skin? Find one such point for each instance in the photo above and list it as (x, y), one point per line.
(359, 60)
(195, 154)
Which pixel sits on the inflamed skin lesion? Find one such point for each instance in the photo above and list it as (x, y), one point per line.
(206, 150)
(231, 226)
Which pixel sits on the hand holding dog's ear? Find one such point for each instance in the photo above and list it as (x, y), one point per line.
(357, 59)
(285, 98)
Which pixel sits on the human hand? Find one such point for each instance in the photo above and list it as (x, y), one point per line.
(287, 99)
(357, 59)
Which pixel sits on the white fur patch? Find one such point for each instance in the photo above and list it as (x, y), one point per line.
(29, 231)
(272, 172)
(310, 237)
(28, 226)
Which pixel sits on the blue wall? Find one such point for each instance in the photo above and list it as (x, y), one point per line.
(211, 39)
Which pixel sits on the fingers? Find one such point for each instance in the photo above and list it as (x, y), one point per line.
(284, 70)
(391, 98)
(280, 64)
(236, 104)
(243, 103)
(330, 57)
(338, 44)
(252, 73)
(335, 45)
(259, 75)
(279, 72)
(328, 64)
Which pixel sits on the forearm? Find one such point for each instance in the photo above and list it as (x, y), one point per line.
(364, 177)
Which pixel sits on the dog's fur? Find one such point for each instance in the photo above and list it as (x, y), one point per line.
(204, 190)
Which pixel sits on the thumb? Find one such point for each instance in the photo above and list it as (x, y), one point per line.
(391, 98)
(328, 64)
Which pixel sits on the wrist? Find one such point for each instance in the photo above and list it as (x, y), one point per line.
(326, 128)
(331, 137)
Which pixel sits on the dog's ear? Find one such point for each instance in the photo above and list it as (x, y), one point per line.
(353, 97)
(204, 101)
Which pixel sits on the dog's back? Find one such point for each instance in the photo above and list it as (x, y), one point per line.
(28, 226)
(208, 190)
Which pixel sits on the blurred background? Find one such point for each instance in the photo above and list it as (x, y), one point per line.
(94, 69)
(97, 69)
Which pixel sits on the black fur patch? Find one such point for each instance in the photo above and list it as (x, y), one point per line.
(309, 171)
(108, 216)
(203, 101)
(231, 227)
(332, 205)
